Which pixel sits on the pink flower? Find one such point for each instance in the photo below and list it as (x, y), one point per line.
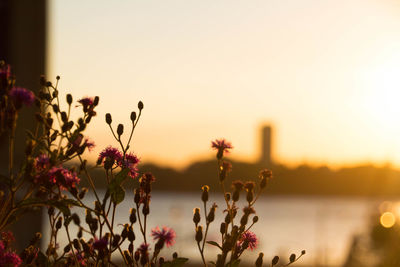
(42, 162)
(130, 162)
(100, 244)
(250, 238)
(10, 259)
(144, 248)
(110, 153)
(22, 96)
(63, 177)
(86, 101)
(167, 235)
(80, 256)
(222, 146)
(89, 144)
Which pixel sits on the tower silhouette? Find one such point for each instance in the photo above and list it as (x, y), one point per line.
(266, 133)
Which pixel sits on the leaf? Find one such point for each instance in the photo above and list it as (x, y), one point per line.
(42, 260)
(62, 205)
(235, 263)
(214, 244)
(118, 195)
(115, 189)
(178, 262)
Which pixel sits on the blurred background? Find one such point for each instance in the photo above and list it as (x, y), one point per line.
(309, 89)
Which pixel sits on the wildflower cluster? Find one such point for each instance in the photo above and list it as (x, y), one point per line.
(236, 236)
(50, 176)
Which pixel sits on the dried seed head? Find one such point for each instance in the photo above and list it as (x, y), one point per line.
(196, 216)
(199, 233)
(108, 118)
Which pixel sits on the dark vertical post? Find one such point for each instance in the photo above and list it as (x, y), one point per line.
(23, 46)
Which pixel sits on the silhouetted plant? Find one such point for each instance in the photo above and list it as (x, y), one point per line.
(44, 180)
(236, 236)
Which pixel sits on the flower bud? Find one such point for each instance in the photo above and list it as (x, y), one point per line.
(67, 248)
(59, 223)
(303, 252)
(250, 196)
(133, 116)
(128, 257)
(275, 261)
(199, 233)
(76, 219)
(76, 244)
(64, 116)
(255, 219)
(55, 108)
(132, 216)
(69, 99)
(120, 129)
(131, 234)
(259, 260)
(146, 209)
(140, 105)
(108, 118)
(292, 258)
(196, 216)
(96, 101)
(222, 228)
(204, 195)
(136, 198)
(82, 193)
(116, 240)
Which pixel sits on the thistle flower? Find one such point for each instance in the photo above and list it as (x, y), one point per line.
(143, 248)
(42, 162)
(166, 235)
(221, 145)
(130, 162)
(89, 144)
(22, 96)
(86, 101)
(100, 244)
(63, 177)
(249, 238)
(10, 259)
(110, 153)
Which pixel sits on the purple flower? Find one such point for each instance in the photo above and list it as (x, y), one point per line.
(80, 256)
(86, 101)
(89, 144)
(63, 177)
(22, 96)
(250, 238)
(10, 259)
(166, 234)
(144, 248)
(100, 244)
(130, 162)
(110, 153)
(222, 146)
(42, 162)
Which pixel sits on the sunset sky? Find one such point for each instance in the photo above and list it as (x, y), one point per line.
(325, 74)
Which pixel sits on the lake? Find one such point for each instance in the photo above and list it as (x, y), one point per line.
(323, 226)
